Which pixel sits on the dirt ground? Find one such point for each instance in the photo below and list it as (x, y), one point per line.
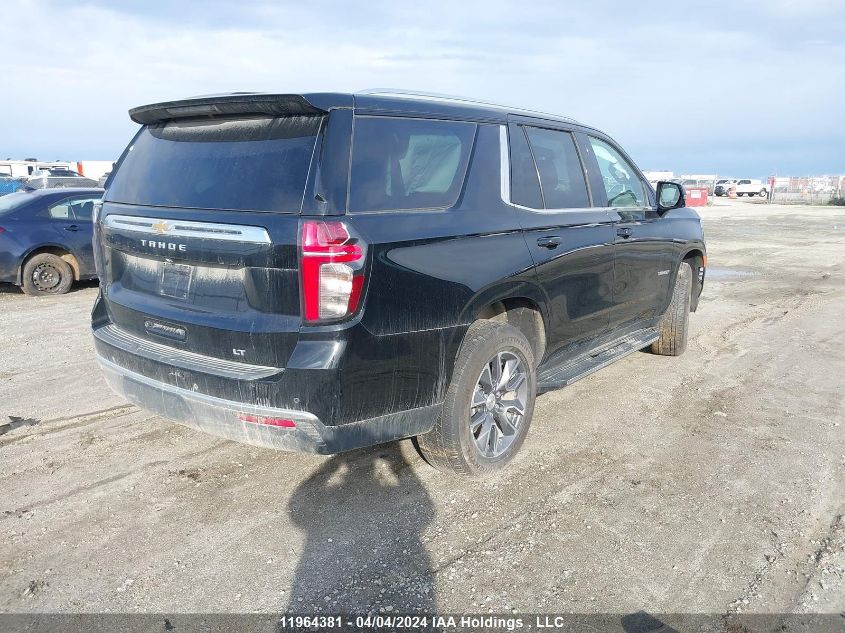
(713, 482)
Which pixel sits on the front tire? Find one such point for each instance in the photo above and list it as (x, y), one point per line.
(46, 274)
(489, 404)
(674, 325)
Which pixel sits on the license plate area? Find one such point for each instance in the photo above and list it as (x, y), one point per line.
(175, 280)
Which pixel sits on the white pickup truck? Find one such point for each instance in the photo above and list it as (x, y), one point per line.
(752, 188)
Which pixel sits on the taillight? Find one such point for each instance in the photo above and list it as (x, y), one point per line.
(332, 270)
(2, 230)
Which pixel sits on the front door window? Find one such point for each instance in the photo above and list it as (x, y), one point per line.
(621, 182)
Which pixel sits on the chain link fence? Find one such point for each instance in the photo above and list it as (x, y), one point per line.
(11, 185)
(806, 189)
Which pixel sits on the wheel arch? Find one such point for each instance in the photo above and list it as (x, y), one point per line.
(54, 249)
(522, 304)
(696, 257)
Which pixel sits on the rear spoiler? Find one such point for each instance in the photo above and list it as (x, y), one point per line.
(225, 105)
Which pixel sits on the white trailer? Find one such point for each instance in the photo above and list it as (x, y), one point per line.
(25, 168)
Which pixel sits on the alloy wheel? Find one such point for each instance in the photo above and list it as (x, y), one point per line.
(498, 404)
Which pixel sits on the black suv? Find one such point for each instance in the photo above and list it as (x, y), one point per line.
(324, 271)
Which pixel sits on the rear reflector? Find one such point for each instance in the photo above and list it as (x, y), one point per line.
(332, 269)
(258, 419)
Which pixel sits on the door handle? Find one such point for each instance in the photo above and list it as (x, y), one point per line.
(553, 241)
(72, 227)
(624, 232)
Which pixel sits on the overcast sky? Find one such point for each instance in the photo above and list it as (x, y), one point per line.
(737, 88)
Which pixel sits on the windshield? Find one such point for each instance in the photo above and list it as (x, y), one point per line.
(256, 164)
(13, 201)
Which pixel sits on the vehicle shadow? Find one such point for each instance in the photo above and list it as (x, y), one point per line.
(644, 622)
(84, 285)
(12, 289)
(363, 514)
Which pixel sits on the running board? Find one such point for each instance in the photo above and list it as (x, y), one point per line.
(558, 376)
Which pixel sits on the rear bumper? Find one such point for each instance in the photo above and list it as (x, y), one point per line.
(225, 418)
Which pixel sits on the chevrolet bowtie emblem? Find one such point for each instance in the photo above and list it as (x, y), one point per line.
(161, 227)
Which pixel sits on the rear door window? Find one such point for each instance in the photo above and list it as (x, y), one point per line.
(621, 182)
(525, 183)
(403, 164)
(61, 210)
(256, 163)
(559, 166)
(83, 208)
(74, 209)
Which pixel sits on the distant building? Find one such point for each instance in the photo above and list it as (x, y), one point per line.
(654, 176)
(700, 177)
(94, 168)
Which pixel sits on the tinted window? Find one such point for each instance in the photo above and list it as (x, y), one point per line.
(621, 183)
(252, 164)
(408, 163)
(561, 175)
(525, 184)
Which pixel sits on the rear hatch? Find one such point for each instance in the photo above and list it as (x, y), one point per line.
(197, 236)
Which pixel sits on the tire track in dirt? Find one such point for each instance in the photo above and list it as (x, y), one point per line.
(40, 428)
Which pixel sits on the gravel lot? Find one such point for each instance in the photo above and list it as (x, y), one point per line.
(713, 482)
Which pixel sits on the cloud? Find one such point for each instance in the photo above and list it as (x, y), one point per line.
(678, 84)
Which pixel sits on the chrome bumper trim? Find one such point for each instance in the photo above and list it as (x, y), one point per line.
(123, 340)
(212, 401)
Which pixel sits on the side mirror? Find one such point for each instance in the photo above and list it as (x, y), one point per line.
(670, 195)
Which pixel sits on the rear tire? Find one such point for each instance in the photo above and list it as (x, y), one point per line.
(674, 325)
(474, 406)
(46, 274)
(763, 193)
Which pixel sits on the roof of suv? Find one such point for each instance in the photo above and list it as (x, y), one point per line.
(381, 101)
(412, 100)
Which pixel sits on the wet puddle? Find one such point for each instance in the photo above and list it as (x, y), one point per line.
(716, 273)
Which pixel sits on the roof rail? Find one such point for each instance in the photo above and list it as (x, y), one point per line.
(444, 98)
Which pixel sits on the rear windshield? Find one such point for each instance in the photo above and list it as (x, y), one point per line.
(408, 163)
(258, 164)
